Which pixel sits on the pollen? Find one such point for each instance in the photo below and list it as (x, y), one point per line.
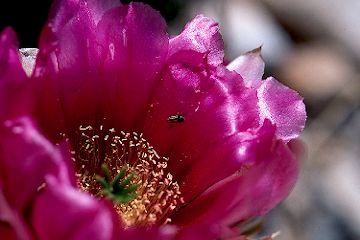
(157, 194)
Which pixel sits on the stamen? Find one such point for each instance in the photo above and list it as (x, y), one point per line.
(157, 194)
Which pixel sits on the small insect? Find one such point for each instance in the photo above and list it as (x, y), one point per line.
(175, 119)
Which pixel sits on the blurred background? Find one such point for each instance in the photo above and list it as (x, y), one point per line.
(312, 46)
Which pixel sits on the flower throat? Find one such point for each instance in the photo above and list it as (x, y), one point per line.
(127, 170)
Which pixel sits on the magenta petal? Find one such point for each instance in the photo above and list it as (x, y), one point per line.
(77, 74)
(68, 68)
(203, 232)
(214, 110)
(250, 66)
(26, 157)
(134, 47)
(63, 212)
(283, 107)
(165, 232)
(199, 39)
(11, 224)
(171, 232)
(180, 92)
(271, 183)
(251, 192)
(14, 94)
(62, 11)
(221, 160)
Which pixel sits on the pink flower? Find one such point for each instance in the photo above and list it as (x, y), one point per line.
(221, 144)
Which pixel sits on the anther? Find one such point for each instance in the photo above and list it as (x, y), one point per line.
(157, 194)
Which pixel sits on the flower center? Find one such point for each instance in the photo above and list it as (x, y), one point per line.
(148, 193)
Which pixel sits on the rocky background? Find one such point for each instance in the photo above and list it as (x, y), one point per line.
(312, 46)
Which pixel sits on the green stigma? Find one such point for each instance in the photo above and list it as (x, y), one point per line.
(119, 189)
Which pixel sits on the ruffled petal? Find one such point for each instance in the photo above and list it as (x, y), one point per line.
(134, 47)
(250, 66)
(199, 40)
(283, 107)
(14, 89)
(248, 193)
(26, 157)
(63, 212)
